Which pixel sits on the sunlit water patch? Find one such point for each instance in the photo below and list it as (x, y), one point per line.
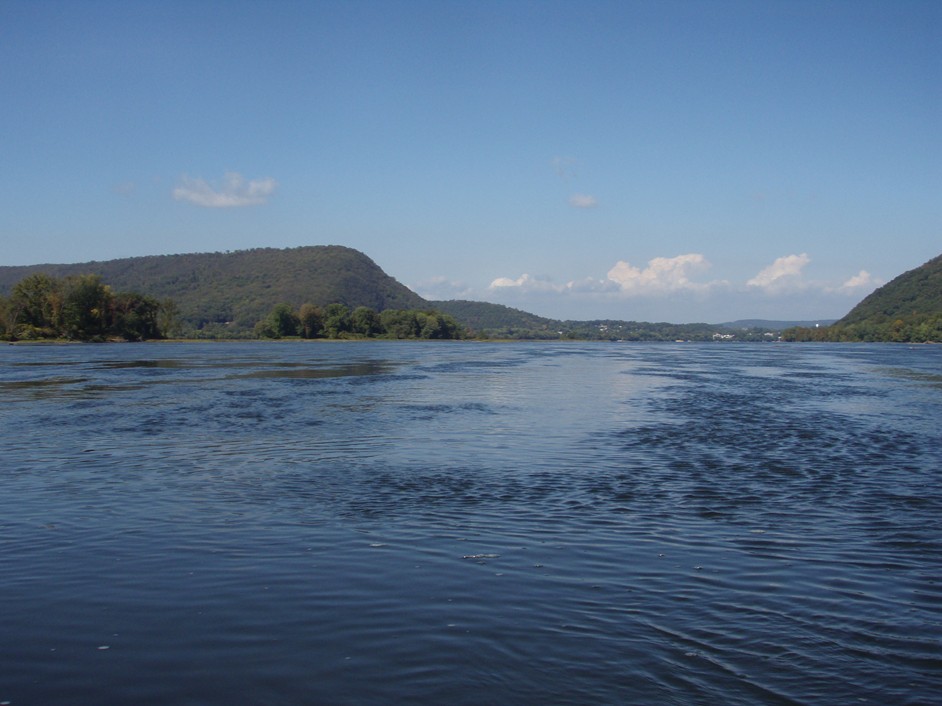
(470, 523)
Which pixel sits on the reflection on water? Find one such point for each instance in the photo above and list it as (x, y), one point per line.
(120, 364)
(470, 523)
(922, 376)
(301, 372)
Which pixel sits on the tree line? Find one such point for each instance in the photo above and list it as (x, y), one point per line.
(81, 308)
(884, 329)
(339, 321)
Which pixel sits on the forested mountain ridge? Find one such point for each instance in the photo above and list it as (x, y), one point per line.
(243, 286)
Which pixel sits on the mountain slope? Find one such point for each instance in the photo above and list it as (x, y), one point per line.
(916, 293)
(483, 316)
(243, 286)
(906, 309)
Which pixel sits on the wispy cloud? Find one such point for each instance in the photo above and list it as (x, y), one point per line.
(234, 191)
(583, 201)
(784, 273)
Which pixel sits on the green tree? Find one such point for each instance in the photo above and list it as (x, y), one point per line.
(365, 321)
(432, 324)
(281, 322)
(134, 316)
(264, 329)
(400, 323)
(336, 320)
(285, 321)
(168, 319)
(36, 304)
(312, 321)
(87, 307)
(79, 307)
(6, 326)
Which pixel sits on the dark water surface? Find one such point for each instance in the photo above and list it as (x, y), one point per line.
(398, 523)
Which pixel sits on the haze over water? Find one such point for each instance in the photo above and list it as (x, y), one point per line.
(468, 523)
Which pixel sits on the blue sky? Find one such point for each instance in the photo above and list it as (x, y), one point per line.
(677, 161)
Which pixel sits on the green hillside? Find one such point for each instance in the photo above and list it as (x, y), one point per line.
(243, 286)
(916, 294)
(496, 319)
(908, 308)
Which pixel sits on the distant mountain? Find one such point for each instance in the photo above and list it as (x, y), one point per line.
(906, 309)
(243, 286)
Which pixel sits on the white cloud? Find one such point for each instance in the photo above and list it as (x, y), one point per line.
(663, 274)
(863, 280)
(676, 289)
(583, 201)
(525, 283)
(233, 192)
(784, 273)
(593, 285)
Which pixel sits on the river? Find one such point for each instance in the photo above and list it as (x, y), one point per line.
(470, 523)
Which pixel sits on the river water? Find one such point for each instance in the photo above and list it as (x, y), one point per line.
(470, 523)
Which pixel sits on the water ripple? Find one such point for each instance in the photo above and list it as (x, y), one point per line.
(463, 524)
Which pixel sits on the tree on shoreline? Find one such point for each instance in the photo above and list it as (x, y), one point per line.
(78, 307)
(900, 329)
(337, 321)
(312, 321)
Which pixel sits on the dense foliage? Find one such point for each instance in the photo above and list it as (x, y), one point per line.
(907, 309)
(80, 308)
(338, 321)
